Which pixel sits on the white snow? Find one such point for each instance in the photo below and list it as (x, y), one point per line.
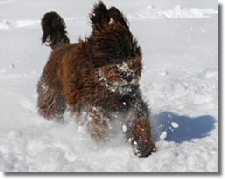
(124, 128)
(174, 125)
(176, 12)
(179, 41)
(163, 135)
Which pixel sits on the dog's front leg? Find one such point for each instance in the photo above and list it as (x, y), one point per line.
(98, 123)
(138, 130)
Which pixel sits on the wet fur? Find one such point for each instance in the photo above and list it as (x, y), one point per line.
(96, 77)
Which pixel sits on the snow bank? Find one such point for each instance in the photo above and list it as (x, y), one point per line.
(5, 25)
(177, 12)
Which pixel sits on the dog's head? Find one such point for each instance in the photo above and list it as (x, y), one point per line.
(116, 55)
(122, 78)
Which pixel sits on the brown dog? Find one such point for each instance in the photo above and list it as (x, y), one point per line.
(98, 78)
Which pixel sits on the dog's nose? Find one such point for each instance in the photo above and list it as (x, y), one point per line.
(127, 76)
(130, 78)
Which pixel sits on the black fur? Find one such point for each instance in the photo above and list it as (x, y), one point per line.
(54, 33)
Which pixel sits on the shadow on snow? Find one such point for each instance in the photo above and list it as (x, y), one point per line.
(181, 128)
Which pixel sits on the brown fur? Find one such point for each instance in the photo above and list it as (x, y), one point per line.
(99, 77)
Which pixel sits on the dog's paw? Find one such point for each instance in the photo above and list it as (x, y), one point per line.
(143, 150)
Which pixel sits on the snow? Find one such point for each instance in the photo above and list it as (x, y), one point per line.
(124, 128)
(174, 125)
(179, 41)
(176, 12)
(163, 135)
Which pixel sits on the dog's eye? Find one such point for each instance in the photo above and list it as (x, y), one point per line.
(123, 74)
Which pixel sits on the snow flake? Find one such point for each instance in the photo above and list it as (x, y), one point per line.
(124, 127)
(174, 125)
(163, 135)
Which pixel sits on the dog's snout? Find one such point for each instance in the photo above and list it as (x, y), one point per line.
(127, 76)
(130, 78)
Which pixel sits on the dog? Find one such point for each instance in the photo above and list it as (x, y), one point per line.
(98, 78)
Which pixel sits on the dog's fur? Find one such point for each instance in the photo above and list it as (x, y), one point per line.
(98, 78)
(54, 33)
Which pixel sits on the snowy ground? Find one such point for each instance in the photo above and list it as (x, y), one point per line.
(179, 40)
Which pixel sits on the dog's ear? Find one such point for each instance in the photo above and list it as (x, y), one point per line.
(99, 16)
(117, 17)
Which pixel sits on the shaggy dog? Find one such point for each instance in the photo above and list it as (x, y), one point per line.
(98, 78)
